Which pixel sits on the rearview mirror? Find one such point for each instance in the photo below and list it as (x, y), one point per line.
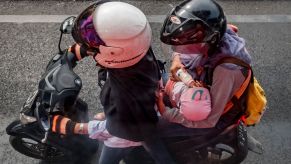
(67, 25)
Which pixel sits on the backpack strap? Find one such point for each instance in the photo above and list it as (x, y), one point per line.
(232, 60)
(234, 100)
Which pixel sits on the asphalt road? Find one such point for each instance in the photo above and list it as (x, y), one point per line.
(26, 48)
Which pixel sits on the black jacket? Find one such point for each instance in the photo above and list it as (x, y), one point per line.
(128, 97)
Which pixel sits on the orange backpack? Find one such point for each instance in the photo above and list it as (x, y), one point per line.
(255, 99)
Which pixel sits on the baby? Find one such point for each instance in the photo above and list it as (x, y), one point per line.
(189, 98)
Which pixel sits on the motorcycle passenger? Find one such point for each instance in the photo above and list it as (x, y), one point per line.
(202, 24)
(118, 36)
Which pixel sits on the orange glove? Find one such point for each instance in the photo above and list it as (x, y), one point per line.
(81, 51)
(63, 125)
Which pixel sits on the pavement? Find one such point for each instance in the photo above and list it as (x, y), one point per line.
(26, 48)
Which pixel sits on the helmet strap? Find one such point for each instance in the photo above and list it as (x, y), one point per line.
(213, 42)
(214, 38)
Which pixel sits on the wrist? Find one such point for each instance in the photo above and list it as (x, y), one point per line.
(162, 110)
(161, 107)
(175, 55)
(81, 128)
(176, 59)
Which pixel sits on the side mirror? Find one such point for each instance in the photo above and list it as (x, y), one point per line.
(67, 25)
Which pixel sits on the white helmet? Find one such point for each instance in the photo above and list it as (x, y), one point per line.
(118, 30)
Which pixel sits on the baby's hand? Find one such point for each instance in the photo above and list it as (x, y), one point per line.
(196, 83)
(100, 116)
(160, 101)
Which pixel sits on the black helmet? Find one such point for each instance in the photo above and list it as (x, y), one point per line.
(194, 21)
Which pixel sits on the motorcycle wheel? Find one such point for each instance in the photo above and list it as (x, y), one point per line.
(36, 149)
(224, 154)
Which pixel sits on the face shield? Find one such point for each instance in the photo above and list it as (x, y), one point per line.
(84, 32)
(119, 31)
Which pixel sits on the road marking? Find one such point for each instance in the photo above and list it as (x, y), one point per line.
(32, 18)
(151, 18)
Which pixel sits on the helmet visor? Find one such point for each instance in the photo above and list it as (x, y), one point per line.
(84, 31)
(182, 28)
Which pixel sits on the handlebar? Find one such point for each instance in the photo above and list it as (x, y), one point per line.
(59, 84)
(59, 81)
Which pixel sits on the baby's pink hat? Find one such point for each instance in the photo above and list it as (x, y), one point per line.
(195, 103)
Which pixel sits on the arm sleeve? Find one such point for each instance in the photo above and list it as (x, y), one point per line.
(225, 83)
(97, 129)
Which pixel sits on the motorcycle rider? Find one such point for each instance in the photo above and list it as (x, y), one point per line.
(201, 25)
(118, 36)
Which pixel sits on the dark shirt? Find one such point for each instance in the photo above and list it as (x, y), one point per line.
(128, 97)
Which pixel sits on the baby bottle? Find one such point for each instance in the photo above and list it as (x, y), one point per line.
(184, 76)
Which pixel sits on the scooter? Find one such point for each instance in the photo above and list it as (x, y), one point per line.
(57, 93)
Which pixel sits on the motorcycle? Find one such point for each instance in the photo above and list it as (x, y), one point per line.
(57, 93)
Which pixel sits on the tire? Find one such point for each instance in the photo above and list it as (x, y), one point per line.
(35, 149)
(224, 154)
